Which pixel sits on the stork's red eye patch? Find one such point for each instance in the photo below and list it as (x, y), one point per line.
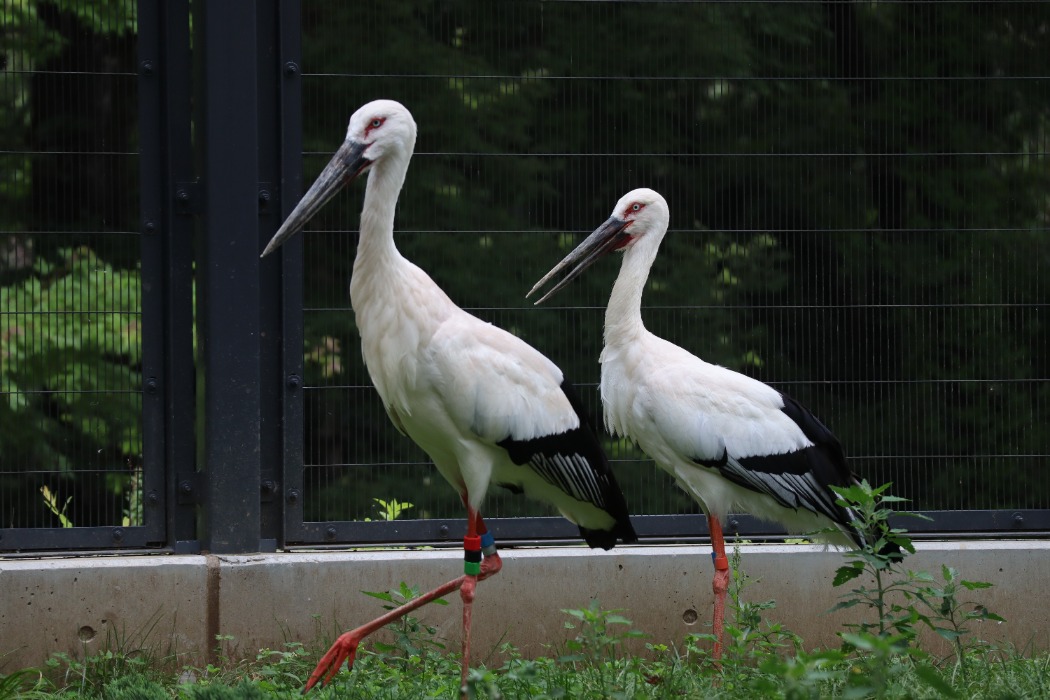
(374, 124)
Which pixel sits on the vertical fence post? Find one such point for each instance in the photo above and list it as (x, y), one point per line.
(290, 95)
(280, 295)
(228, 276)
(166, 162)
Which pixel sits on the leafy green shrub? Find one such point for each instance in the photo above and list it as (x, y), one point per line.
(886, 647)
(70, 383)
(134, 688)
(24, 683)
(412, 638)
(241, 691)
(876, 559)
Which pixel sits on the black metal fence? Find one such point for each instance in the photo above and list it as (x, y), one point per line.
(859, 217)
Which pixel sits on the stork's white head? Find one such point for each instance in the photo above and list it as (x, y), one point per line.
(640, 218)
(642, 213)
(381, 131)
(382, 128)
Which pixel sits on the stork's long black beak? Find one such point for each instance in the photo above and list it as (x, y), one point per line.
(605, 239)
(347, 163)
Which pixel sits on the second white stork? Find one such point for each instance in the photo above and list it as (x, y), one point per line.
(483, 404)
(733, 443)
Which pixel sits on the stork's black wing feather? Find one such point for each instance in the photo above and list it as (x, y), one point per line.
(797, 479)
(574, 462)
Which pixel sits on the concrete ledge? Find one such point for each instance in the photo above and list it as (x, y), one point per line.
(178, 604)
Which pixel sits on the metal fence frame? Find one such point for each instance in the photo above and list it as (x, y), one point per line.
(223, 436)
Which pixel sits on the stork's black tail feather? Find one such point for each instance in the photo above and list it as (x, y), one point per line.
(574, 462)
(893, 551)
(623, 532)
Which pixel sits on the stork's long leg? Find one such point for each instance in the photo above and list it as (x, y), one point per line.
(478, 542)
(345, 647)
(472, 567)
(721, 582)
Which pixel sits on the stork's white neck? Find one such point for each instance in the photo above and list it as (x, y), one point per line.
(376, 247)
(623, 316)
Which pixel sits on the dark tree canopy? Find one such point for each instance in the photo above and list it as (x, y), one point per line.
(858, 210)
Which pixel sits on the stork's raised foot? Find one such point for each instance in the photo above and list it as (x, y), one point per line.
(491, 566)
(345, 647)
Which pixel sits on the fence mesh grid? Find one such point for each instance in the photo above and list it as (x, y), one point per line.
(859, 217)
(70, 391)
(858, 214)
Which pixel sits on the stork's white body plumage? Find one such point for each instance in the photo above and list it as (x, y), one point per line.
(733, 443)
(459, 387)
(687, 414)
(483, 404)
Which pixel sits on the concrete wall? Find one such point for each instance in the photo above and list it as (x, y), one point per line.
(178, 604)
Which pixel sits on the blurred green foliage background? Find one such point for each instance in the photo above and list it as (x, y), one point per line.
(859, 209)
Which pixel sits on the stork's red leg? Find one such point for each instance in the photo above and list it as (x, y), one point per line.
(345, 647)
(721, 582)
(476, 543)
(471, 569)
(492, 563)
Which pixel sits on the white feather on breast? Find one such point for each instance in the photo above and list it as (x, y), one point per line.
(420, 349)
(495, 383)
(674, 404)
(397, 313)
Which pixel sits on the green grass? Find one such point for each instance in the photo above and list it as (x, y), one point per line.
(879, 657)
(761, 662)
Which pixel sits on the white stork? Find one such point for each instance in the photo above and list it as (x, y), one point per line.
(484, 405)
(733, 443)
